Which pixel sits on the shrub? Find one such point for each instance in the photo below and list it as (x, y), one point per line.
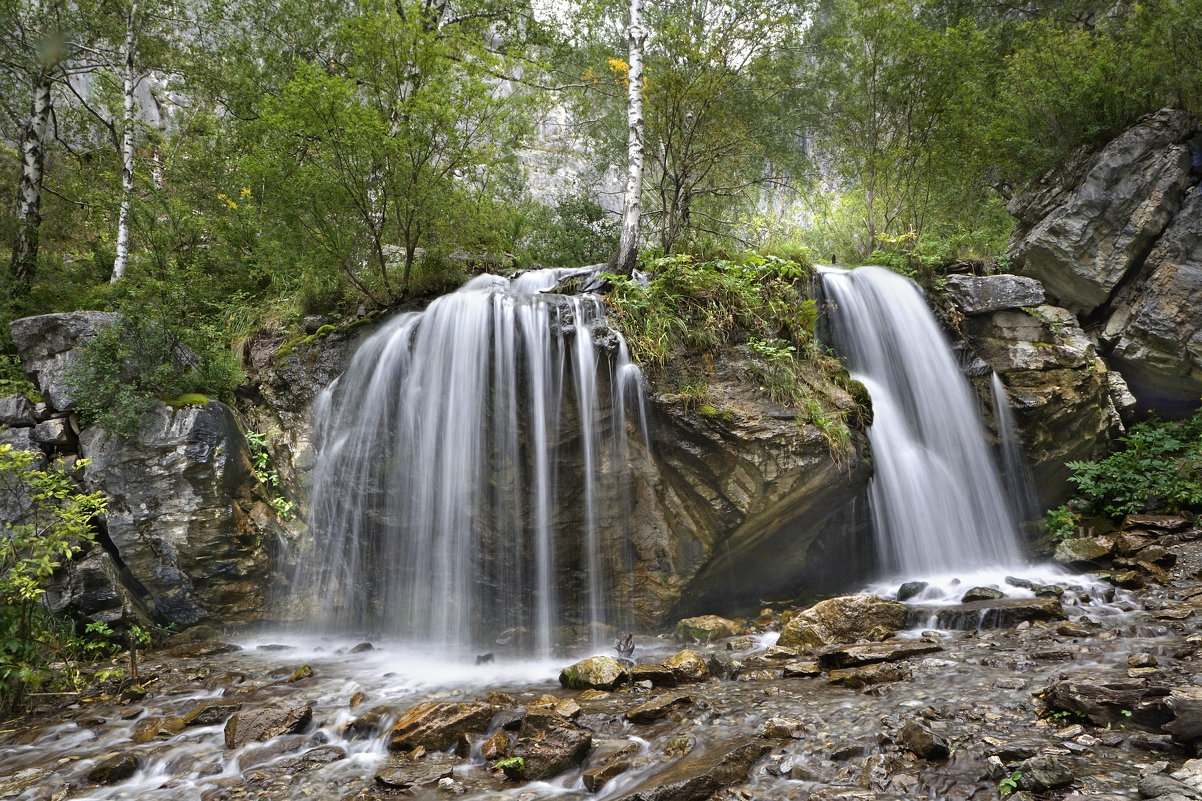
(1158, 468)
(52, 523)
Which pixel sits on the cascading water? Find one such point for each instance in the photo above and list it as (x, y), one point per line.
(1016, 473)
(938, 503)
(472, 477)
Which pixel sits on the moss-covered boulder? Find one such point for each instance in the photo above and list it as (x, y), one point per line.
(595, 673)
(688, 667)
(1082, 550)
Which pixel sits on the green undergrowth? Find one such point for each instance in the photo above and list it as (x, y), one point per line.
(1156, 469)
(757, 305)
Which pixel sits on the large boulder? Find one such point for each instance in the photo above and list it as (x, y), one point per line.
(47, 344)
(263, 723)
(595, 673)
(1080, 231)
(437, 726)
(981, 294)
(701, 774)
(1155, 329)
(183, 513)
(843, 619)
(547, 744)
(94, 588)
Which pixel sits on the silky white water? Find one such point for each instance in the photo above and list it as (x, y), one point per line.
(472, 479)
(938, 503)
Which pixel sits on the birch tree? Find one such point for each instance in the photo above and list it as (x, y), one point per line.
(627, 257)
(128, 84)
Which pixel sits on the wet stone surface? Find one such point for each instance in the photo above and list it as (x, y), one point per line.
(1099, 703)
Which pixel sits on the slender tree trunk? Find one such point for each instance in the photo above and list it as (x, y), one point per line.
(127, 151)
(627, 257)
(29, 187)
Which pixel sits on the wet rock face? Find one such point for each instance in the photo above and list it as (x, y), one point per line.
(980, 294)
(94, 588)
(182, 512)
(47, 346)
(742, 502)
(705, 629)
(1067, 403)
(547, 745)
(699, 777)
(1116, 238)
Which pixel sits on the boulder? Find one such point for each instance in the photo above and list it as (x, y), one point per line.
(1081, 230)
(403, 772)
(370, 723)
(781, 729)
(982, 594)
(47, 343)
(210, 713)
(658, 675)
(688, 667)
(910, 589)
(94, 588)
(700, 776)
(1004, 613)
(16, 411)
(184, 512)
(595, 673)
(597, 777)
(658, 707)
(855, 655)
(437, 726)
(923, 742)
(843, 619)
(54, 433)
(114, 769)
(547, 745)
(157, 728)
(1043, 773)
(705, 629)
(1155, 329)
(1083, 550)
(980, 294)
(263, 723)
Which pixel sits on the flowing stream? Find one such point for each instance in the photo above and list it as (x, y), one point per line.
(939, 504)
(471, 484)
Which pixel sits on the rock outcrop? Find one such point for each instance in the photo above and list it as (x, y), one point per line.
(182, 512)
(1116, 239)
(187, 527)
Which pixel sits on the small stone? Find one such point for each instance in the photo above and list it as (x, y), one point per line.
(495, 747)
(1141, 661)
(302, 672)
(804, 668)
(210, 713)
(362, 648)
(356, 699)
(679, 746)
(910, 589)
(1070, 629)
(1128, 579)
(596, 778)
(590, 695)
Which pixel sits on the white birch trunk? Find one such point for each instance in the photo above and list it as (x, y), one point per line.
(127, 151)
(32, 150)
(627, 256)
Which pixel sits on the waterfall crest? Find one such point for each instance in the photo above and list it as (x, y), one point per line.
(472, 475)
(938, 502)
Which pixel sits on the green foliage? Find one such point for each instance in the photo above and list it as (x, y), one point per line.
(161, 347)
(1009, 784)
(1159, 467)
(1060, 523)
(265, 472)
(52, 524)
(576, 232)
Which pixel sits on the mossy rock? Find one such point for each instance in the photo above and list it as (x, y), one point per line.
(595, 673)
(713, 413)
(188, 399)
(514, 768)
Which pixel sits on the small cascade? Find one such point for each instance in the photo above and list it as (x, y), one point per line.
(938, 503)
(1016, 473)
(472, 478)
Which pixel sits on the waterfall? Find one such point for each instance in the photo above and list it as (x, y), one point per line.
(938, 503)
(472, 476)
(1016, 473)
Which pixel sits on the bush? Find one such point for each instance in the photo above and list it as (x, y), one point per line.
(150, 353)
(52, 523)
(1158, 469)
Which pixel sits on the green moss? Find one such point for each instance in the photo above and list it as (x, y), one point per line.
(514, 767)
(321, 333)
(188, 399)
(712, 413)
